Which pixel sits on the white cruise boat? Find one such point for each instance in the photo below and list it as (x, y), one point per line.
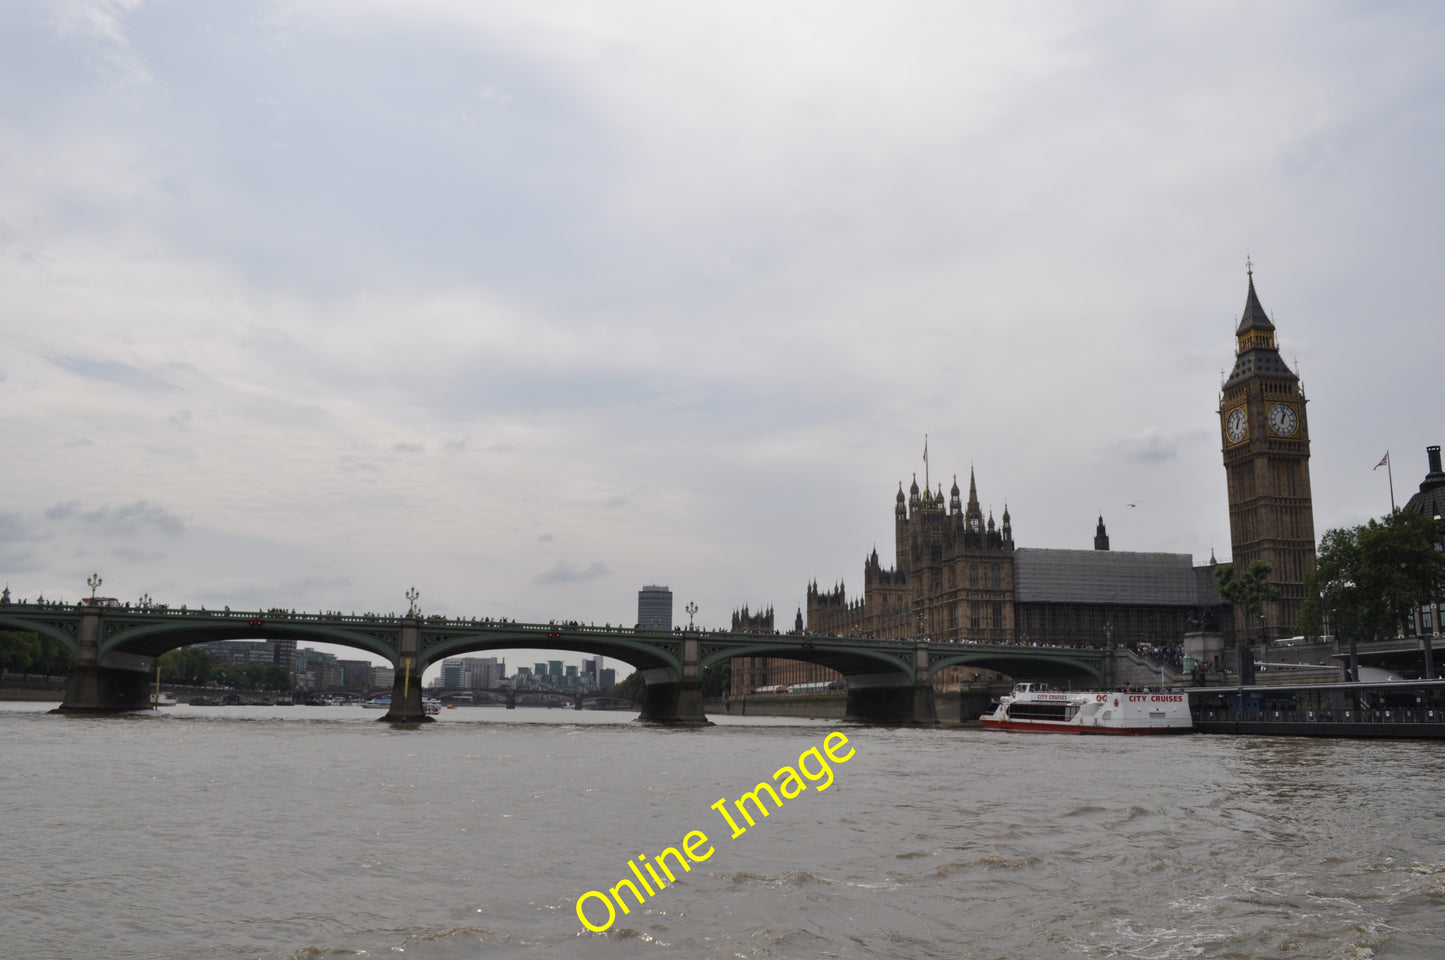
(1038, 708)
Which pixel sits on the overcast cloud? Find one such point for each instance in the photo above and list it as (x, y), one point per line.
(531, 304)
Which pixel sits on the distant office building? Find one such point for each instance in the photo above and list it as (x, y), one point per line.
(283, 654)
(382, 677)
(483, 673)
(472, 673)
(607, 677)
(305, 656)
(242, 651)
(452, 673)
(654, 608)
(325, 673)
(355, 674)
(554, 668)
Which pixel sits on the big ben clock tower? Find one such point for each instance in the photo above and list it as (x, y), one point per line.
(1267, 463)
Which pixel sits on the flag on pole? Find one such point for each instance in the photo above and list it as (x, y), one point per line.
(1383, 461)
(925, 448)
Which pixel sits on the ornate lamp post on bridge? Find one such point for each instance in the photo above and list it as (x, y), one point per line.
(411, 596)
(94, 582)
(691, 609)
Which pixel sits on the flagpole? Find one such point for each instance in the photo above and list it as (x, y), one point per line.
(1390, 472)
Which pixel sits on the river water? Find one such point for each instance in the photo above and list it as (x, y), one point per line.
(316, 832)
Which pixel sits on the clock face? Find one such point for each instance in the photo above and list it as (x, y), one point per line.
(1283, 420)
(1236, 427)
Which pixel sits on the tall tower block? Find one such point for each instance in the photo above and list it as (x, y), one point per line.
(1266, 451)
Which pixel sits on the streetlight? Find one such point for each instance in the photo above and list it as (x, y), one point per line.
(411, 596)
(691, 609)
(94, 582)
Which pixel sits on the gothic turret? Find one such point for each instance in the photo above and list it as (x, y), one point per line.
(1101, 536)
(973, 514)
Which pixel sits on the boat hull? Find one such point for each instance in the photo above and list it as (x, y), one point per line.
(1045, 726)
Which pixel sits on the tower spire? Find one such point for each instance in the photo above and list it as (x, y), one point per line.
(1254, 317)
(973, 514)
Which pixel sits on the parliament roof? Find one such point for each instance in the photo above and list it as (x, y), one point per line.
(1044, 575)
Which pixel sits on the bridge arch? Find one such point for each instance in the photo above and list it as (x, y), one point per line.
(852, 661)
(151, 638)
(644, 650)
(1026, 662)
(60, 630)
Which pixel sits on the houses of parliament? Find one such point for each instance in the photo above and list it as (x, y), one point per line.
(960, 577)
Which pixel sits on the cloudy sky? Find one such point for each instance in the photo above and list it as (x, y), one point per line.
(530, 304)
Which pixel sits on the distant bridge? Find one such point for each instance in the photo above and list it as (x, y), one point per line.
(889, 681)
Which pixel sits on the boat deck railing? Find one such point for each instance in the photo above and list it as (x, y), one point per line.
(1401, 715)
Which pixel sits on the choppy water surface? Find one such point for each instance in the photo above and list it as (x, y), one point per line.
(317, 832)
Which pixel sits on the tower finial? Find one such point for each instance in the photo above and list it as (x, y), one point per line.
(1249, 266)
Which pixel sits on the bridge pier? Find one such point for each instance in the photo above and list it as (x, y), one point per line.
(406, 705)
(891, 699)
(113, 688)
(675, 700)
(91, 688)
(893, 706)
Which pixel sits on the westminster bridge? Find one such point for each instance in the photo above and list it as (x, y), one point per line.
(114, 649)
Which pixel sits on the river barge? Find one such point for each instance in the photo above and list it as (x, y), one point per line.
(1394, 710)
